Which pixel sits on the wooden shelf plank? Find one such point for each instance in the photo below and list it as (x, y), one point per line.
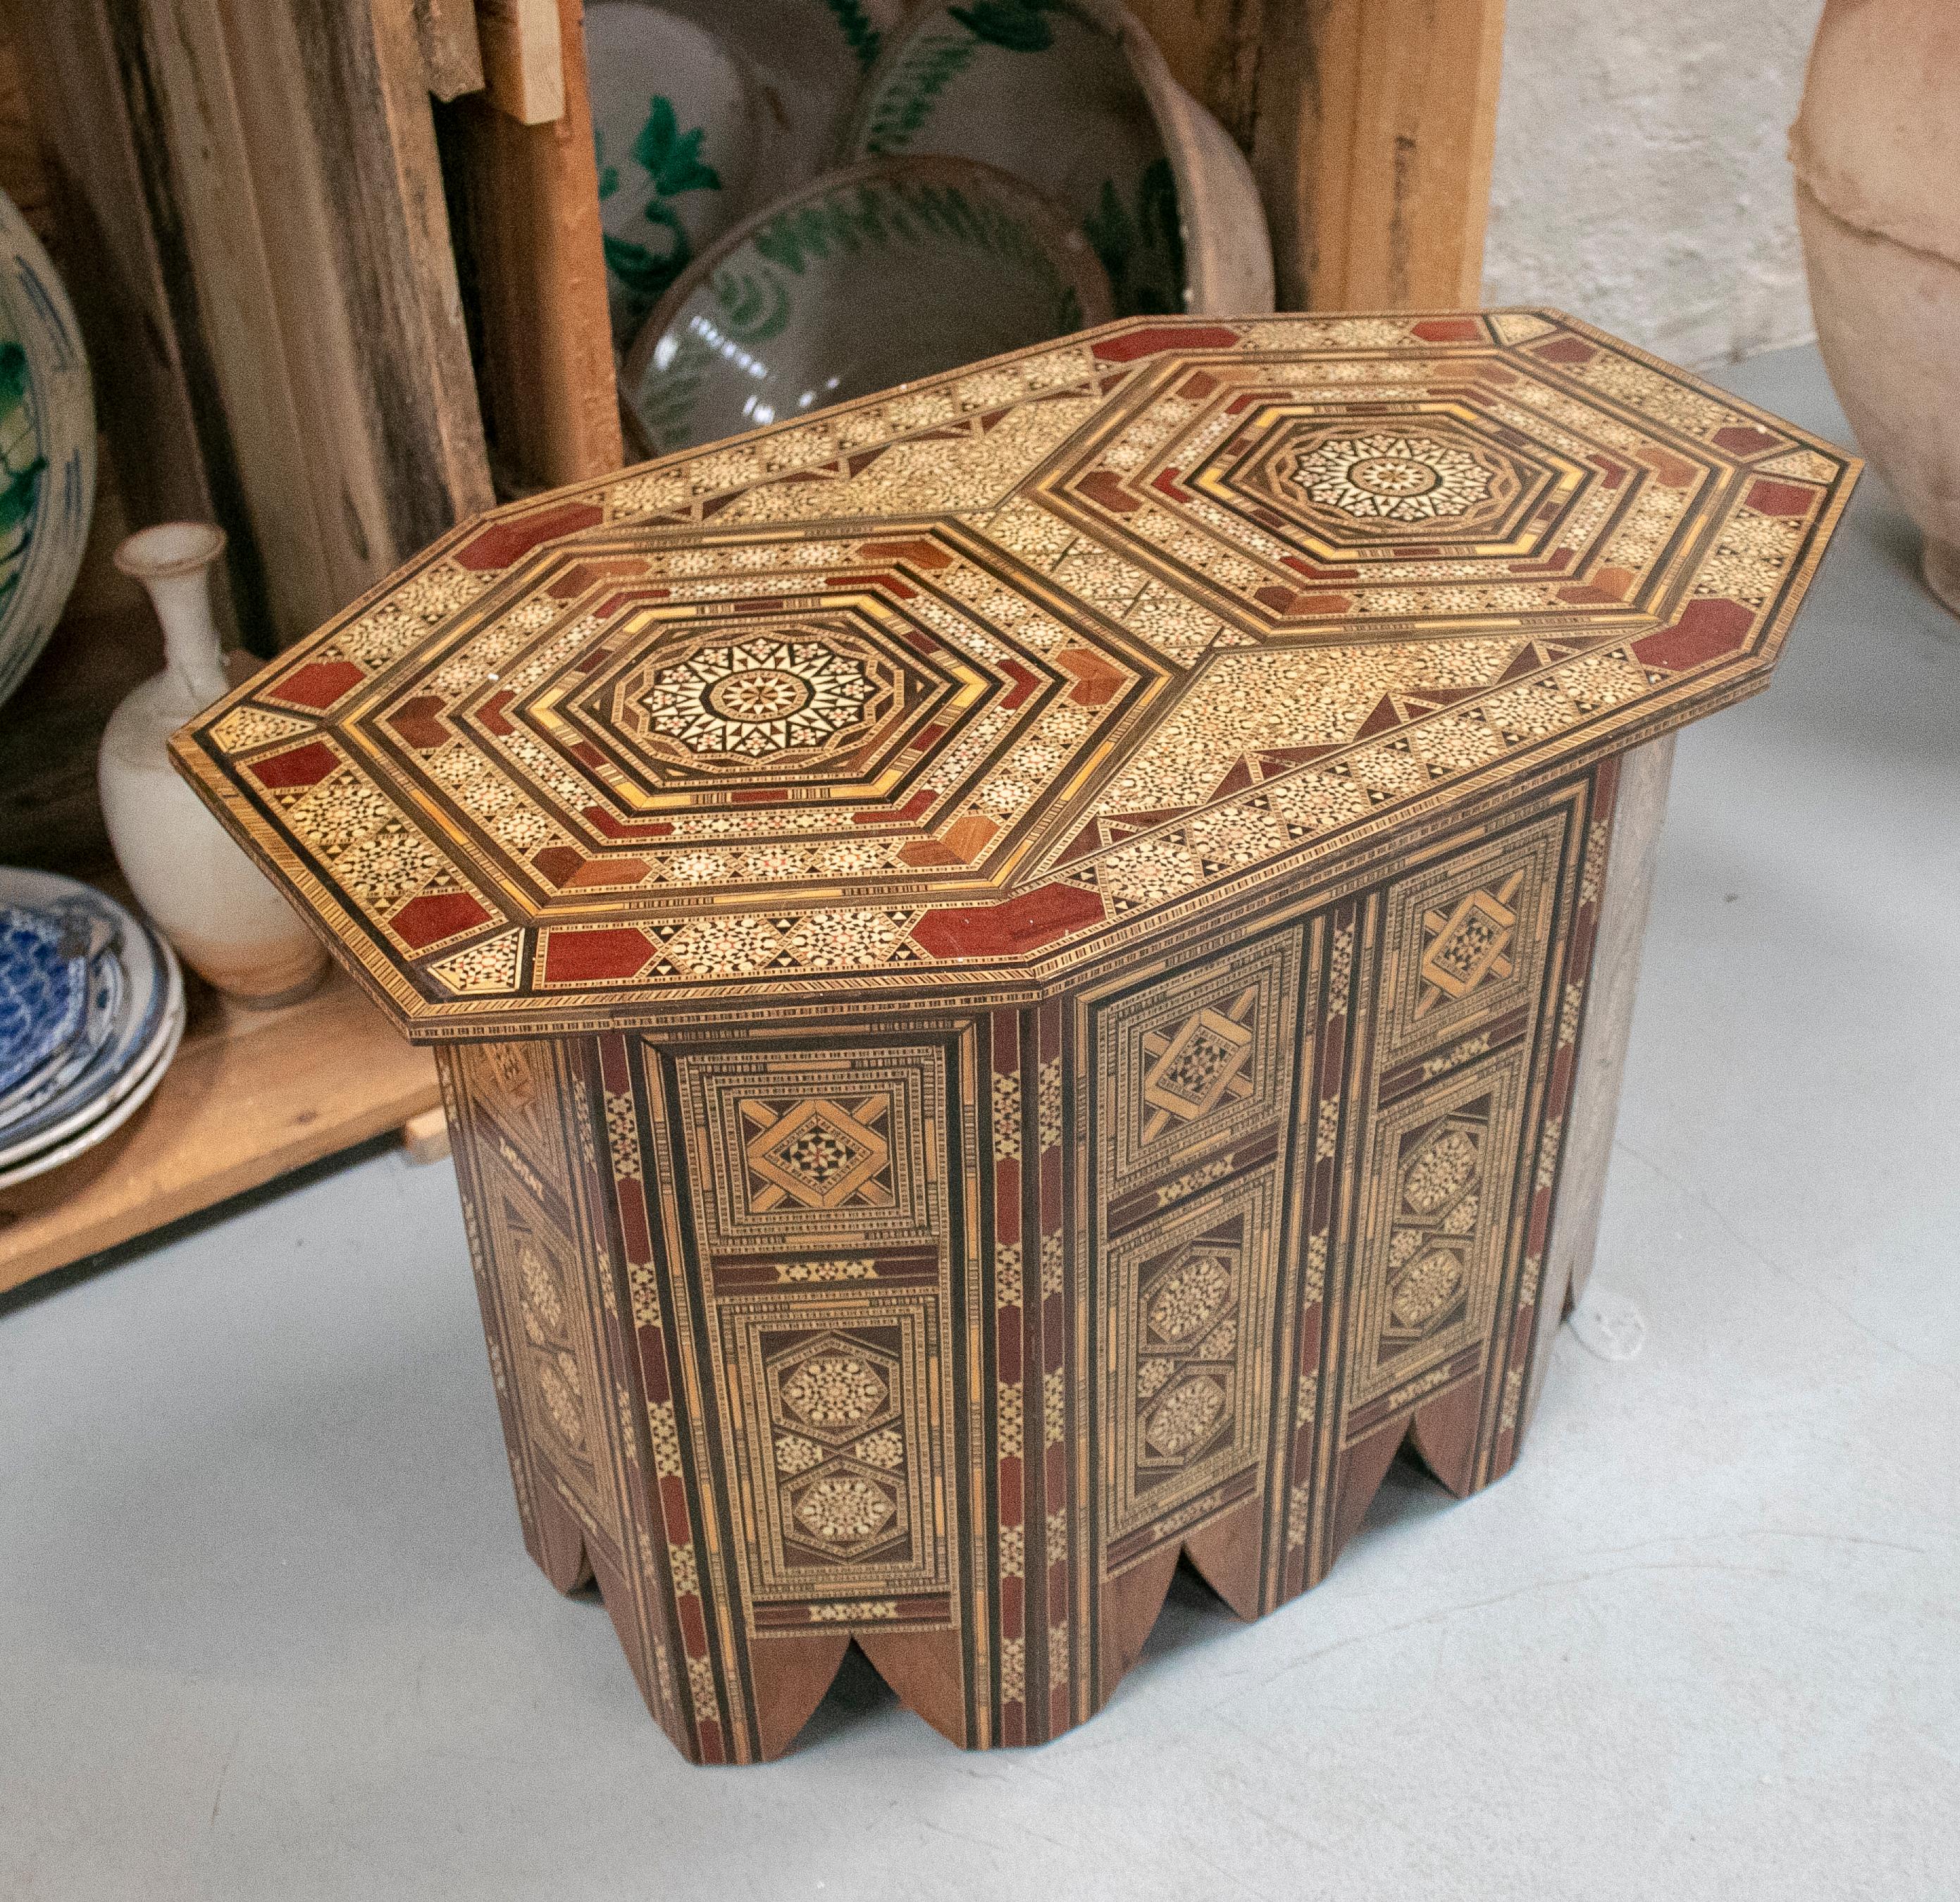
(251, 1095)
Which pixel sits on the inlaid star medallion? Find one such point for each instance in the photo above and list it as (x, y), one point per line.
(989, 676)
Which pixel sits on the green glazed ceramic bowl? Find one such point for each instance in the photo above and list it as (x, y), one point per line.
(1074, 96)
(674, 124)
(703, 110)
(47, 448)
(871, 277)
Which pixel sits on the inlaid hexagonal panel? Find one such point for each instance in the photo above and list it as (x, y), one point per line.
(833, 1389)
(969, 685)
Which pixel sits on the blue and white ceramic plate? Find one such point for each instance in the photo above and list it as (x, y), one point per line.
(102, 1011)
(130, 1091)
(136, 1003)
(44, 974)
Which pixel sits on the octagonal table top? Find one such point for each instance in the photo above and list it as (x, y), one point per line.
(957, 690)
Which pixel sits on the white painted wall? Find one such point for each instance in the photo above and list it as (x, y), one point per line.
(1640, 181)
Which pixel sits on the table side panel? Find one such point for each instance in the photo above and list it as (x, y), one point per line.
(948, 1333)
(547, 1254)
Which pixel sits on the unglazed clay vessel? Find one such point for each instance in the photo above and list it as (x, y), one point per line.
(1876, 151)
(210, 901)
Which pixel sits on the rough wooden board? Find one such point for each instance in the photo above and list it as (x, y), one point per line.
(251, 1095)
(405, 265)
(1392, 164)
(108, 174)
(201, 120)
(24, 172)
(1369, 125)
(304, 294)
(531, 193)
(452, 60)
(50, 813)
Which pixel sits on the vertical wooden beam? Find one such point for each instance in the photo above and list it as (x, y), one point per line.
(233, 294)
(264, 179)
(531, 198)
(120, 246)
(1393, 172)
(322, 107)
(1369, 125)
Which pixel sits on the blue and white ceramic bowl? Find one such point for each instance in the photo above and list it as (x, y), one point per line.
(47, 448)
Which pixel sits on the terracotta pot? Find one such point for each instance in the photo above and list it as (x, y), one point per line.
(1876, 151)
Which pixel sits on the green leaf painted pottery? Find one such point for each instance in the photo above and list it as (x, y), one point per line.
(674, 122)
(47, 448)
(893, 270)
(1074, 96)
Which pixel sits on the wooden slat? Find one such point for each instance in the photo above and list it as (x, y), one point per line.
(1393, 169)
(1369, 125)
(50, 813)
(452, 60)
(551, 401)
(524, 60)
(109, 178)
(23, 171)
(251, 1095)
(296, 243)
(404, 171)
(232, 270)
(304, 139)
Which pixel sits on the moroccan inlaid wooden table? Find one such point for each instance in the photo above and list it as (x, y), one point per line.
(1009, 960)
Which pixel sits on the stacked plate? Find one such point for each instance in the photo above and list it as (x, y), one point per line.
(91, 1009)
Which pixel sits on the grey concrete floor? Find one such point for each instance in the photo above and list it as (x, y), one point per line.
(266, 1629)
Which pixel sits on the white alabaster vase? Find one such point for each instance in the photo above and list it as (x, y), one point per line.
(219, 911)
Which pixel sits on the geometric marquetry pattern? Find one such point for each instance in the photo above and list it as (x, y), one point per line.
(817, 1153)
(1010, 958)
(1200, 1064)
(945, 1332)
(825, 1147)
(1471, 943)
(1439, 1212)
(1192, 1342)
(988, 680)
(837, 1451)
